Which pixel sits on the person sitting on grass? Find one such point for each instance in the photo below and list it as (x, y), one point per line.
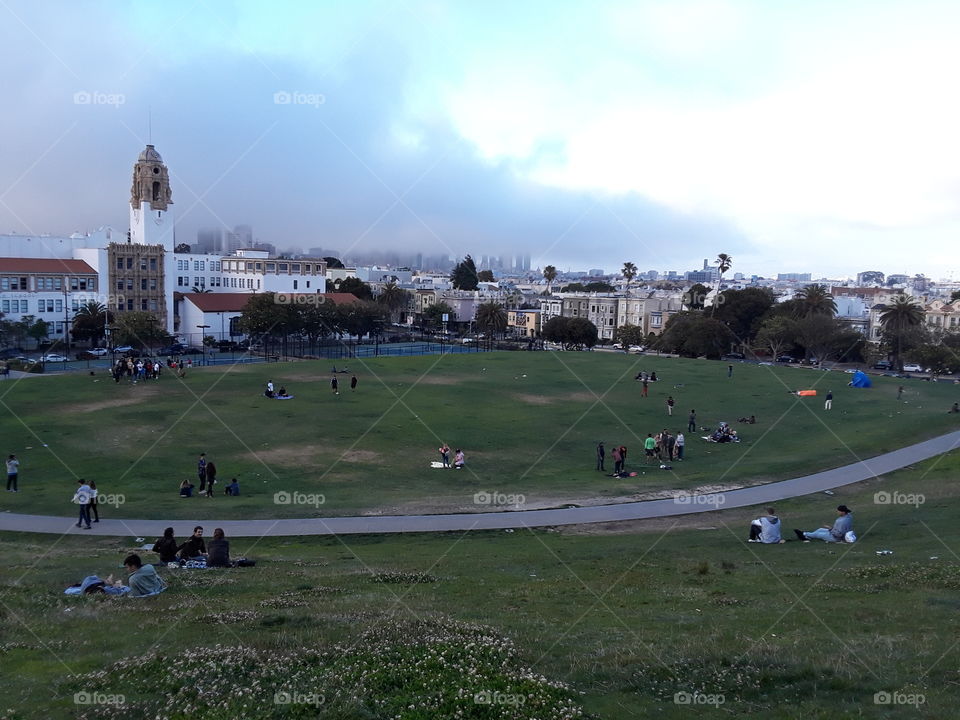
(194, 548)
(186, 489)
(766, 529)
(143, 579)
(459, 459)
(283, 392)
(166, 547)
(233, 488)
(219, 553)
(269, 391)
(841, 526)
(955, 408)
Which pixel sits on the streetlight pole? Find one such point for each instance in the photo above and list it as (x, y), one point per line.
(202, 328)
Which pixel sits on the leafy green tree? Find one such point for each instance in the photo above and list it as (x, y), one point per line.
(486, 276)
(723, 262)
(823, 336)
(464, 275)
(693, 333)
(776, 334)
(359, 318)
(954, 296)
(630, 335)
(897, 320)
(333, 262)
(572, 333)
(595, 286)
(356, 287)
(91, 321)
(140, 329)
(492, 318)
(939, 358)
(393, 298)
(265, 315)
(38, 330)
(742, 311)
(433, 315)
(696, 296)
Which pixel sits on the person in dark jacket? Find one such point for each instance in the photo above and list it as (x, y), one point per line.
(166, 547)
(218, 554)
(211, 471)
(195, 547)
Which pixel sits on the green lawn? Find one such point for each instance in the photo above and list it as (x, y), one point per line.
(528, 423)
(616, 621)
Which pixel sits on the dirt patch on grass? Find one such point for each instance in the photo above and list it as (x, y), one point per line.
(365, 456)
(300, 455)
(142, 395)
(437, 380)
(533, 399)
(583, 397)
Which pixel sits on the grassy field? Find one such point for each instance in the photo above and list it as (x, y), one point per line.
(528, 423)
(614, 622)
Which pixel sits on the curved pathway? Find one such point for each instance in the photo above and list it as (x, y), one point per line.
(375, 524)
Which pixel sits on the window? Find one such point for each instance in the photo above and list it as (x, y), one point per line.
(153, 283)
(271, 267)
(130, 304)
(153, 305)
(129, 283)
(308, 284)
(143, 263)
(196, 281)
(249, 266)
(58, 283)
(129, 263)
(143, 283)
(143, 304)
(283, 267)
(119, 284)
(153, 264)
(196, 265)
(203, 265)
(294, 284)
(259, 266)
(119, 263)
(258, 284)
(295, 267)
(5, 306)
(74, 304)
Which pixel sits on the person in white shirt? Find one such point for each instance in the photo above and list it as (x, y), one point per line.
(13, 470)
(82, 498)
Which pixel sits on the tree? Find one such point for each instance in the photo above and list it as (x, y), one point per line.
(393, 298)
(595, 286)
(549, 274)
(434, 314)
(200, 290)
(359, 318)
(90, 322)
(38, 330)
(263, 315)
(776, 334)
(816, 300)
(742, 311)
(333, 262)
(723, 262)
(492, 318)
(356, 287)
(872, 277)
(824, 337)
(692, 334)
(629, 272)
(954, 296)
(139, 329)
(464, 275)
(486, 276)
(630, 335)
(896, 320)
(572, 333)
(696, 296)
(182, 248)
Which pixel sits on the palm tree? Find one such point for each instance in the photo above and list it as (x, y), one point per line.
(629, 272)
(90, 321)
(897, 317)
(492, 317)
(549, 274)
(816, 300)
(393, 298)
(723, 263)
(199, 291)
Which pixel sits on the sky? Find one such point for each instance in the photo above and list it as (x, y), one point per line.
(797, 137)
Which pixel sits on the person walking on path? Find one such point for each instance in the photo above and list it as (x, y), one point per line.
(335, 385)
(82, 498)
(202, 471)
(646, 387)
(828, 403)
(692, 422)
(679, 445)
(94, 494)
(211, 477)
(13, 471)
(670, 404)
(353, 383)
(601, 456)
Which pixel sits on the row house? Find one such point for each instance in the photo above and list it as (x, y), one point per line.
(940, 315)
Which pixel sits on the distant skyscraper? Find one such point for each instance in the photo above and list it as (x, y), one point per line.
(209, 240)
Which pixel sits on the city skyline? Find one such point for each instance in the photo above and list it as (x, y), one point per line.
(792, 139)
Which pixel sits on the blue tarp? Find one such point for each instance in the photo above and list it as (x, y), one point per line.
(860, 380)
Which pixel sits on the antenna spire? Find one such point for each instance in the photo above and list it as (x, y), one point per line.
(149, 125)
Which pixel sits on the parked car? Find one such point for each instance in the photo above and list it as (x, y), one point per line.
(636, 348)
(733, 356)
(123, 348)
(469, 341)
(98, 351)
(10, 353)
(882, 365)
(174, 349)
(912, 367)
(87, 355)
(786, 359)
(191, 351)
(53, 357)
(617, 346)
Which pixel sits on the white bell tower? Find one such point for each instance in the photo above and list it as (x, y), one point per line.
(151, 219)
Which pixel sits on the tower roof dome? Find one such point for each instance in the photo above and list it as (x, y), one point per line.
(150, 154)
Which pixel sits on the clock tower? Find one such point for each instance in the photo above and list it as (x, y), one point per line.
(151, 219)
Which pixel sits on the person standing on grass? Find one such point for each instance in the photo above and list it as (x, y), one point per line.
(13, 471)
(353, 383)
(680, 442)
(649, 447)
(729, 371)
(623, 458)
(617, 461)
(828, 403)
(445, 454)
(202, 471)
(335, 385)
(601, 456)
(82, 498)
(671, 446)
(670, 404)
(899, 392)
(692, 421)
(211, 477)
(646, 388)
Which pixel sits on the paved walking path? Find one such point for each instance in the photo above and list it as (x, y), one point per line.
(758, 495)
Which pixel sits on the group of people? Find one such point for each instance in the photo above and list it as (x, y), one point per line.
(194, 548)
(661, 448)
(459, 458)
(232, 488)
(280, 394)
(767, 529)
(140, 369)
(86, 497)
(207, 475)
(335, 383)
(645, 381)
